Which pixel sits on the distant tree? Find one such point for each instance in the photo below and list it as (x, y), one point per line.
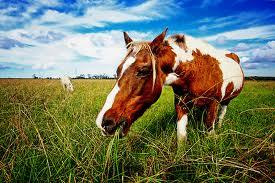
(95, 76)
(81, 76)
(103, 76)
(34, 76)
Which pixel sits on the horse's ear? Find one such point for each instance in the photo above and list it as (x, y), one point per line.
(127, 39)
(159, 39)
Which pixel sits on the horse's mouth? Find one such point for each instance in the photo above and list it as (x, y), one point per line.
(121, 128)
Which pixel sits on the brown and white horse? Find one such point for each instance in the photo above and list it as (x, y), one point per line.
(199, 74)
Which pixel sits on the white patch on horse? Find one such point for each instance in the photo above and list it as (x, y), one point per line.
(231, 73)
(108, 104)
(231, 70)
(67, 84)
(171, 78)
(130, 60)
(181, 128)
(181, 54)
(112, 95)
(222, 114)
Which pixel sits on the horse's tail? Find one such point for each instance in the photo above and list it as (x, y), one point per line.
(234, 57)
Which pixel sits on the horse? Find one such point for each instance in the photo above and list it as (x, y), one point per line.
(67, 84)
(200, 75)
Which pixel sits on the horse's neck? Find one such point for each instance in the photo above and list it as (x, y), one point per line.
(166, 60)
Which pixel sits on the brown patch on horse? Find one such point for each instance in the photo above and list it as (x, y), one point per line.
(199, 87)
(229, 94)
(234, 57)
(180, 111)
(211, 114)
(199, 84)
(180, 41)
(229, 90)
(165, 57)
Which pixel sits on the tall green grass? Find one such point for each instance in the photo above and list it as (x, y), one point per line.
(49, 136)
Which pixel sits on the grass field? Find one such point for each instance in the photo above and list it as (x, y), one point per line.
(48, 136)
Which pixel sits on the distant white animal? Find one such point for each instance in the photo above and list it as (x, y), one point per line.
(67, 84)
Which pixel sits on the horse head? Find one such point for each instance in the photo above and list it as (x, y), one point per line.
(140, 79)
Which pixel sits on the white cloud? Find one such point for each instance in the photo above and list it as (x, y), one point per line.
(43, 66)
(105, 47)
(221, 39)
(155, 8)
(8, 10)
(49, 3)
(241, 47)
(271, 44)
(265, 53)
(104, 51)
(34, 35)
(262, 56)
(95, 13)
(98, 52)
(101, 15)
(244, 59)
(242, 18)
(248, 65)
(8, 21)
(260, 32)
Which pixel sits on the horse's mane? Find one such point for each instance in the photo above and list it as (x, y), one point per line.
(135, 47)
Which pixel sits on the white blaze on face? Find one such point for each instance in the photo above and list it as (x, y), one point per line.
(111, 97)
(127, 64)
(108, 104)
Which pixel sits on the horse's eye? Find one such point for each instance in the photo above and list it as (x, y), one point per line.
(143, 72)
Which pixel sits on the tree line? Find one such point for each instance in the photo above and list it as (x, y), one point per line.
(81, 76)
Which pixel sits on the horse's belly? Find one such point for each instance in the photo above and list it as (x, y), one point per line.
(232, 74)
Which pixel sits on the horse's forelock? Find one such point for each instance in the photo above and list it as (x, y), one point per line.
(134, 48)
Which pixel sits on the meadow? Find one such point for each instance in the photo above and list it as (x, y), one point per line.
(47, 135)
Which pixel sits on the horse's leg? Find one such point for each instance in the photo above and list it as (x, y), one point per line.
(181, 123)
(211, 115)
(221, 115)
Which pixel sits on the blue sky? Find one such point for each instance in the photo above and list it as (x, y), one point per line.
(60, 37)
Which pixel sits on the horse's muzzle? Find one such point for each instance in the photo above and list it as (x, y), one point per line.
(110, 127)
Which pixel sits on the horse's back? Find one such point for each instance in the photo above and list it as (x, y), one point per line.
(216, 73)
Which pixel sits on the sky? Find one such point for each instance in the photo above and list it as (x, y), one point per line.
(53, 38)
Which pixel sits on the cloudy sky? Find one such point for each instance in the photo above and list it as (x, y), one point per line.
(70, 37)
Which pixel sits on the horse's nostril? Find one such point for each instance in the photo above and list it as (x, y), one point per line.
(107, 123)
